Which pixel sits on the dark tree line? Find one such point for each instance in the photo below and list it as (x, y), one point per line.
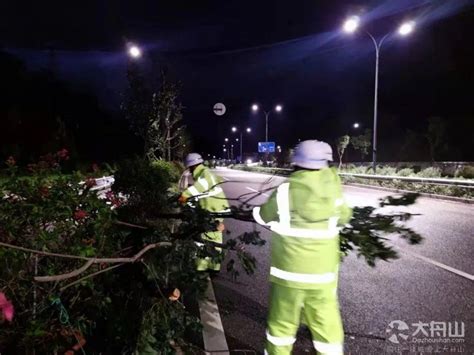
(40, 113)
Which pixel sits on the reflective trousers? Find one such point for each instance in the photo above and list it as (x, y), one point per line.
(203, 264)
(320, 312)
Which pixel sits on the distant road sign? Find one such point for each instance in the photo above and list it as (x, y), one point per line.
(266, 147)
(219, 109)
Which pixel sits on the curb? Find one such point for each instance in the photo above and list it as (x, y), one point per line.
(212, 330)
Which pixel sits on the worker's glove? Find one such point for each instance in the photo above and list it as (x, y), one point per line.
(182, 199)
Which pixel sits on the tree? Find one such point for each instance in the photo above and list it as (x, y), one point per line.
(137, 104)
(342, 143)
(155, 116)
(363, 142)
(165, 132)
(435, 135)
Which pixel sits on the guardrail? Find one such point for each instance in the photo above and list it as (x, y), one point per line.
(432, 181)
(468, 184)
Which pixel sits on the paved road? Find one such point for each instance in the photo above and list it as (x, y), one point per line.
(410, 289)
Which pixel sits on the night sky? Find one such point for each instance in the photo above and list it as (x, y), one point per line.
(271, 52)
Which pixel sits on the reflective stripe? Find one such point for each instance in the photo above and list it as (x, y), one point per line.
(332, 222)
(327, 348)
(339, 202)
(203, 182)
(280, 341)
(193, 191)
(213, 192)
(283, 227)
(304, 278)
(257, 217)
(303, 233)
(227, 210)
(213, 180)
(283, 203)
(199, 244)
(265, 352)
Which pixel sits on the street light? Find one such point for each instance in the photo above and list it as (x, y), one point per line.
(350, 26)
(406, 28)
(134, 51)
(255, 108)
(235, 129)
(226, 139)
(356, 125)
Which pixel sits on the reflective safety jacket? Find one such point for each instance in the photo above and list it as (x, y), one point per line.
(207, 190)
(304, 214)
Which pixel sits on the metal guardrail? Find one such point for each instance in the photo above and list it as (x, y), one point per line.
(469, 184)
(434, 181)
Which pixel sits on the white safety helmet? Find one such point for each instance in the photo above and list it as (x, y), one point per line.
(312, 154)
(193, 159)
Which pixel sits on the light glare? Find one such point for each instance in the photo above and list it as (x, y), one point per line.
(249, 130)
(406, 28)
(278, 108)
(234, 129)
(351, 24)
(254, 107)
(135, 52)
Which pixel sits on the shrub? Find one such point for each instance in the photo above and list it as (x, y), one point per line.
(386, 170)
(466, 172)
(169, 168)
(405, 172)
(430, 172)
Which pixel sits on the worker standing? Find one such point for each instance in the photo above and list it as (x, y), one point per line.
(303, 214)
(207, 192)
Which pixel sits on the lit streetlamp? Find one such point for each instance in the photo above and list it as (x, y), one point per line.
(235, 129)
(356, 125)
(350, 26)
(134, 51)
(277, 108)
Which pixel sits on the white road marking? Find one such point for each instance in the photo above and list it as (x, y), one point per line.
(438, 264)
(213, 331)
(261, 193)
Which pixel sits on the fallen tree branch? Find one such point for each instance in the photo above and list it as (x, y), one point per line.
(90, 261)
(89, 276)
(126, 224)
(68, 275)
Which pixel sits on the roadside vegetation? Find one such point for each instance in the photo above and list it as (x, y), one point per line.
(462, 173)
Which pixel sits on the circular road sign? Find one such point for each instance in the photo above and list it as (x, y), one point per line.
(219, 109)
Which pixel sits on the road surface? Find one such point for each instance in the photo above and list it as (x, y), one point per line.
(432, 282)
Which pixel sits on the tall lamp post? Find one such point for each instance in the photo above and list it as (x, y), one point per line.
(277, 108)
(350, 26)
(234, 130)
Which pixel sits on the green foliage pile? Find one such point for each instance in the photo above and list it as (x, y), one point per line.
(113, 308)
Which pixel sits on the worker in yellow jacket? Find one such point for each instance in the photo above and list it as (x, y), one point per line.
(304, 214)
(208, 193)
